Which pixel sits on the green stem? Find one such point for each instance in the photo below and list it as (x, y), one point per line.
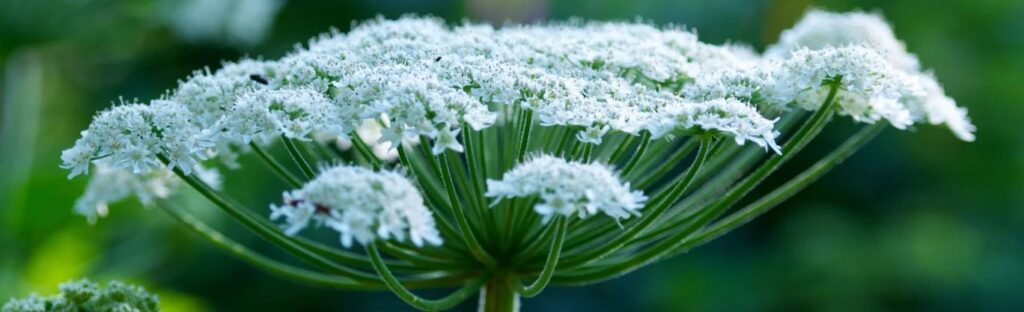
(300, 160)
(784, 192)
(497, 296)
(256, 259)
(412, 299)
(621, 150)
(549, 265)
(433, 194)
(363, 149)
(275, 166)
(524, 135)
(460, 215)
(657, 250)
(476, 161)
(666, 165)
(645, 142)
(269, 233)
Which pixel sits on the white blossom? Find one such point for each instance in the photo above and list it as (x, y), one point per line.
(921, 95)
(209, 95)
(131, 136)
(264, 114)
(820, 29)
(568, 188)
(362, 205)
(109, 184)
(869, 88)
(727, 116)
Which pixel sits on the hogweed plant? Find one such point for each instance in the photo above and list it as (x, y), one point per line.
(502, 160)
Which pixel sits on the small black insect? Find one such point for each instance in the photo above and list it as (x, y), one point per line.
(259, 79)
(438, 59)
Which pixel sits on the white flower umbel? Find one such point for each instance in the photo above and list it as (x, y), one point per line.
(130, 136)
(568, 188)
(362, 205)
(820, 29)
(209, 95)
(727, 117)
(108, 185)
(922, 95)
(264, 114)
(870, 89)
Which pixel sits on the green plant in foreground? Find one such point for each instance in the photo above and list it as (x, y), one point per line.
(501, 161)
(84, 295)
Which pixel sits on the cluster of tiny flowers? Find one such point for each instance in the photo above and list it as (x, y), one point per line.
(869, 87)
(84, 295)
(360, 204)
(568, 188)
(261, 115)
(819, 29)
(108, 185)
(134, 136)
(919, 97)
(721, 115)
(420, 80)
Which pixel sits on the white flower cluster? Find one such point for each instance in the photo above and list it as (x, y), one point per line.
(360, 204)
(819, 29)
(263, 114)
(419, 78)
(133, 135)
(836, 43)
(724, 116)
(870, 89)
(108, 184)
(568, 188)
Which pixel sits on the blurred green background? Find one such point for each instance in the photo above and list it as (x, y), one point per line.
(915, 221)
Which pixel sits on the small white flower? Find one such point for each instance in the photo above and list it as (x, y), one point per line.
(568, 188)
(446, 139)
(593, 134)
(362, 205)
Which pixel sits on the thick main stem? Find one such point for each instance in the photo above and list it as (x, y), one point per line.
(497, 296)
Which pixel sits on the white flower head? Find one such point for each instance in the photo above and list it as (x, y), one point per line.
(131, 136)
(819, 29)
(728, 117)
(209, 95)
(568, 188)
(870, 88)
(263, 114)
(362, 205)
